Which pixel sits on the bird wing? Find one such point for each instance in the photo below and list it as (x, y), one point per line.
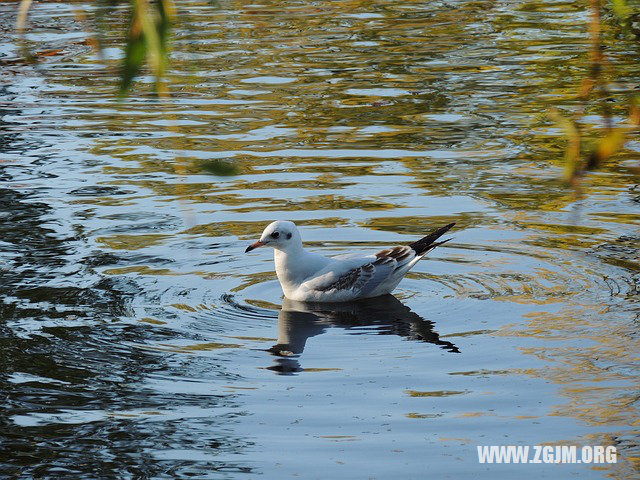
(403, 255)
(348, 277)
(359, 276)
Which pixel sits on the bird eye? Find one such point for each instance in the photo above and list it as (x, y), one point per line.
(275, 234)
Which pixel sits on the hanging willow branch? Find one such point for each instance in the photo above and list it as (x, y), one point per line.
(146, 42)
(595, 85)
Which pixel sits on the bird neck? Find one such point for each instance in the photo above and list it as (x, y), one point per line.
(295, 264)
(289, 262)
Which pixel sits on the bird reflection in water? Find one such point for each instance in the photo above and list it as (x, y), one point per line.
(298, 321)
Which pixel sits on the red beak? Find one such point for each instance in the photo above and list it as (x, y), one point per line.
(254, 245)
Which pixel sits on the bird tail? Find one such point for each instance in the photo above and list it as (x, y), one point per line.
(428, 243)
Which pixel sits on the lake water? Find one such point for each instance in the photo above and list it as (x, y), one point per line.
(137, 340)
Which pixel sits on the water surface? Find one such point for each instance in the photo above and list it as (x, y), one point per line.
(139, 341)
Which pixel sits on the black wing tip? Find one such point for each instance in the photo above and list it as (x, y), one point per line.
(437, 244)
(429, 242)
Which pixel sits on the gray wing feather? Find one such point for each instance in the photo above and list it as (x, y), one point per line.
(354, 279)
(363, 279)
(389, 264)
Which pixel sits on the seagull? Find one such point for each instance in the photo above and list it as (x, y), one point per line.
(311, 277)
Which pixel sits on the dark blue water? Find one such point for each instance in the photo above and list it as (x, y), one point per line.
(139, 341)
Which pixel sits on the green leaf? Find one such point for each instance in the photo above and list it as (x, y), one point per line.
(135, 54)
(621, 9)
(147, 41)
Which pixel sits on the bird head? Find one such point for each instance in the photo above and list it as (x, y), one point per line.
(281, 235)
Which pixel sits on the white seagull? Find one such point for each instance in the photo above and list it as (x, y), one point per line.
(311, 277)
